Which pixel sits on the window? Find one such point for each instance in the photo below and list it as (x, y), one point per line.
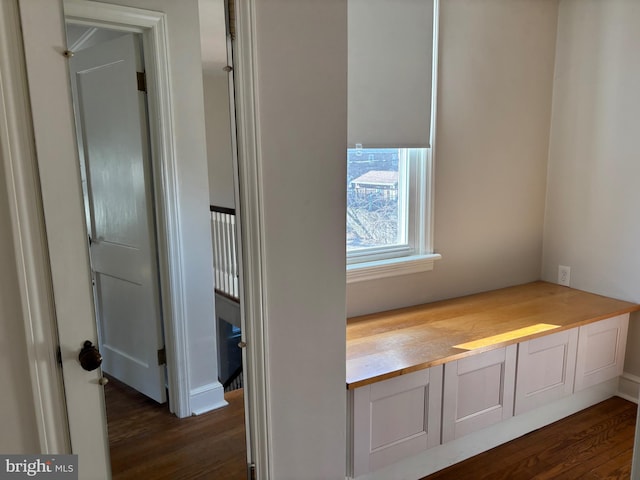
(376, 211)
(391, 69)
(388, 212)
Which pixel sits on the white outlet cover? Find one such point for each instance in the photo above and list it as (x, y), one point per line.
(564, 275)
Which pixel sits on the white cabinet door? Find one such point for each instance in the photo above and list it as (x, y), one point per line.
(601, 348)
(395, 418)
(546, 368)
(478, 392)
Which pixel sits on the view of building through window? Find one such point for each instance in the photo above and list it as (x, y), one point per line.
(373, 198)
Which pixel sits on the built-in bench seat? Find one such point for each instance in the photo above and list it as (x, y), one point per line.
(423, 376)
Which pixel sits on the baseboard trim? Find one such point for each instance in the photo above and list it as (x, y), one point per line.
(629, 387)
(207, 398)
(442, 456)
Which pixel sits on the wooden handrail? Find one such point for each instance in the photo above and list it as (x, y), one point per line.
(225, 210)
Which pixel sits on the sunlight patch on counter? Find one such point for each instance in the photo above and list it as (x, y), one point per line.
(507, 336)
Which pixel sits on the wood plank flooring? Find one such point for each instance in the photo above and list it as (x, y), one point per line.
(594, 444)
(147, 442)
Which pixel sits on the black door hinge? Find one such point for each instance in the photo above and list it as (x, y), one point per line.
(59, 356)
(142, 81)
(162, 356)
(251, 471)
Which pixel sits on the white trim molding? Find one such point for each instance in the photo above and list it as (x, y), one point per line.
(206, 398)
(629, 387)
(90, 13)
(635, 461)
(17, 151)
(153, 26)
(251, 232)
(358, 272)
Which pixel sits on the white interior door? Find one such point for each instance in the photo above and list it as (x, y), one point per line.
(51, 107)
(111, 116)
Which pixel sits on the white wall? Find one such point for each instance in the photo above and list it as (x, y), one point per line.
(17, 414)
(302, 109)
(494, 106)
(213, 42)
(218, 127)
(591, 220)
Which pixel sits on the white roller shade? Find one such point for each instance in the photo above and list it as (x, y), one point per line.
(390, 65)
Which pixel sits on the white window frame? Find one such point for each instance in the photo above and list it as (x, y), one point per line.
(417, 255)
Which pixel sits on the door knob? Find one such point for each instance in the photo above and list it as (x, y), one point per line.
(89, 357)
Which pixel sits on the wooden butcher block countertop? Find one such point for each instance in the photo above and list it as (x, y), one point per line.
(389, 344)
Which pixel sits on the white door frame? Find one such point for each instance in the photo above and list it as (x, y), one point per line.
(249, 204)
(152, 27)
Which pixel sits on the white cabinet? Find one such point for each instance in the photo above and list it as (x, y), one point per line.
(395, 418)
(478, 392)
(601, 348)
(404, 416)
(546, 368)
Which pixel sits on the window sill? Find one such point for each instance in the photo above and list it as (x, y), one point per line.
(391, 267)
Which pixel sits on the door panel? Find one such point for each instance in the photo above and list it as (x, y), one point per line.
(112, 124)
(50, 101)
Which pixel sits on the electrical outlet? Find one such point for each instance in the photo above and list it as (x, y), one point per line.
(564, 275)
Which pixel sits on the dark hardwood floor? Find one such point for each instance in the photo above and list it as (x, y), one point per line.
(149, 443)
(594, 444)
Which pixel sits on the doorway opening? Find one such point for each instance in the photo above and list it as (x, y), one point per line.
(117, 172)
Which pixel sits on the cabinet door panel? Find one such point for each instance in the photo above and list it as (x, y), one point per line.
(601, 349)
(478, 392)
(389, 426)
(546, 368)
(604, 355)
(396, 418)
